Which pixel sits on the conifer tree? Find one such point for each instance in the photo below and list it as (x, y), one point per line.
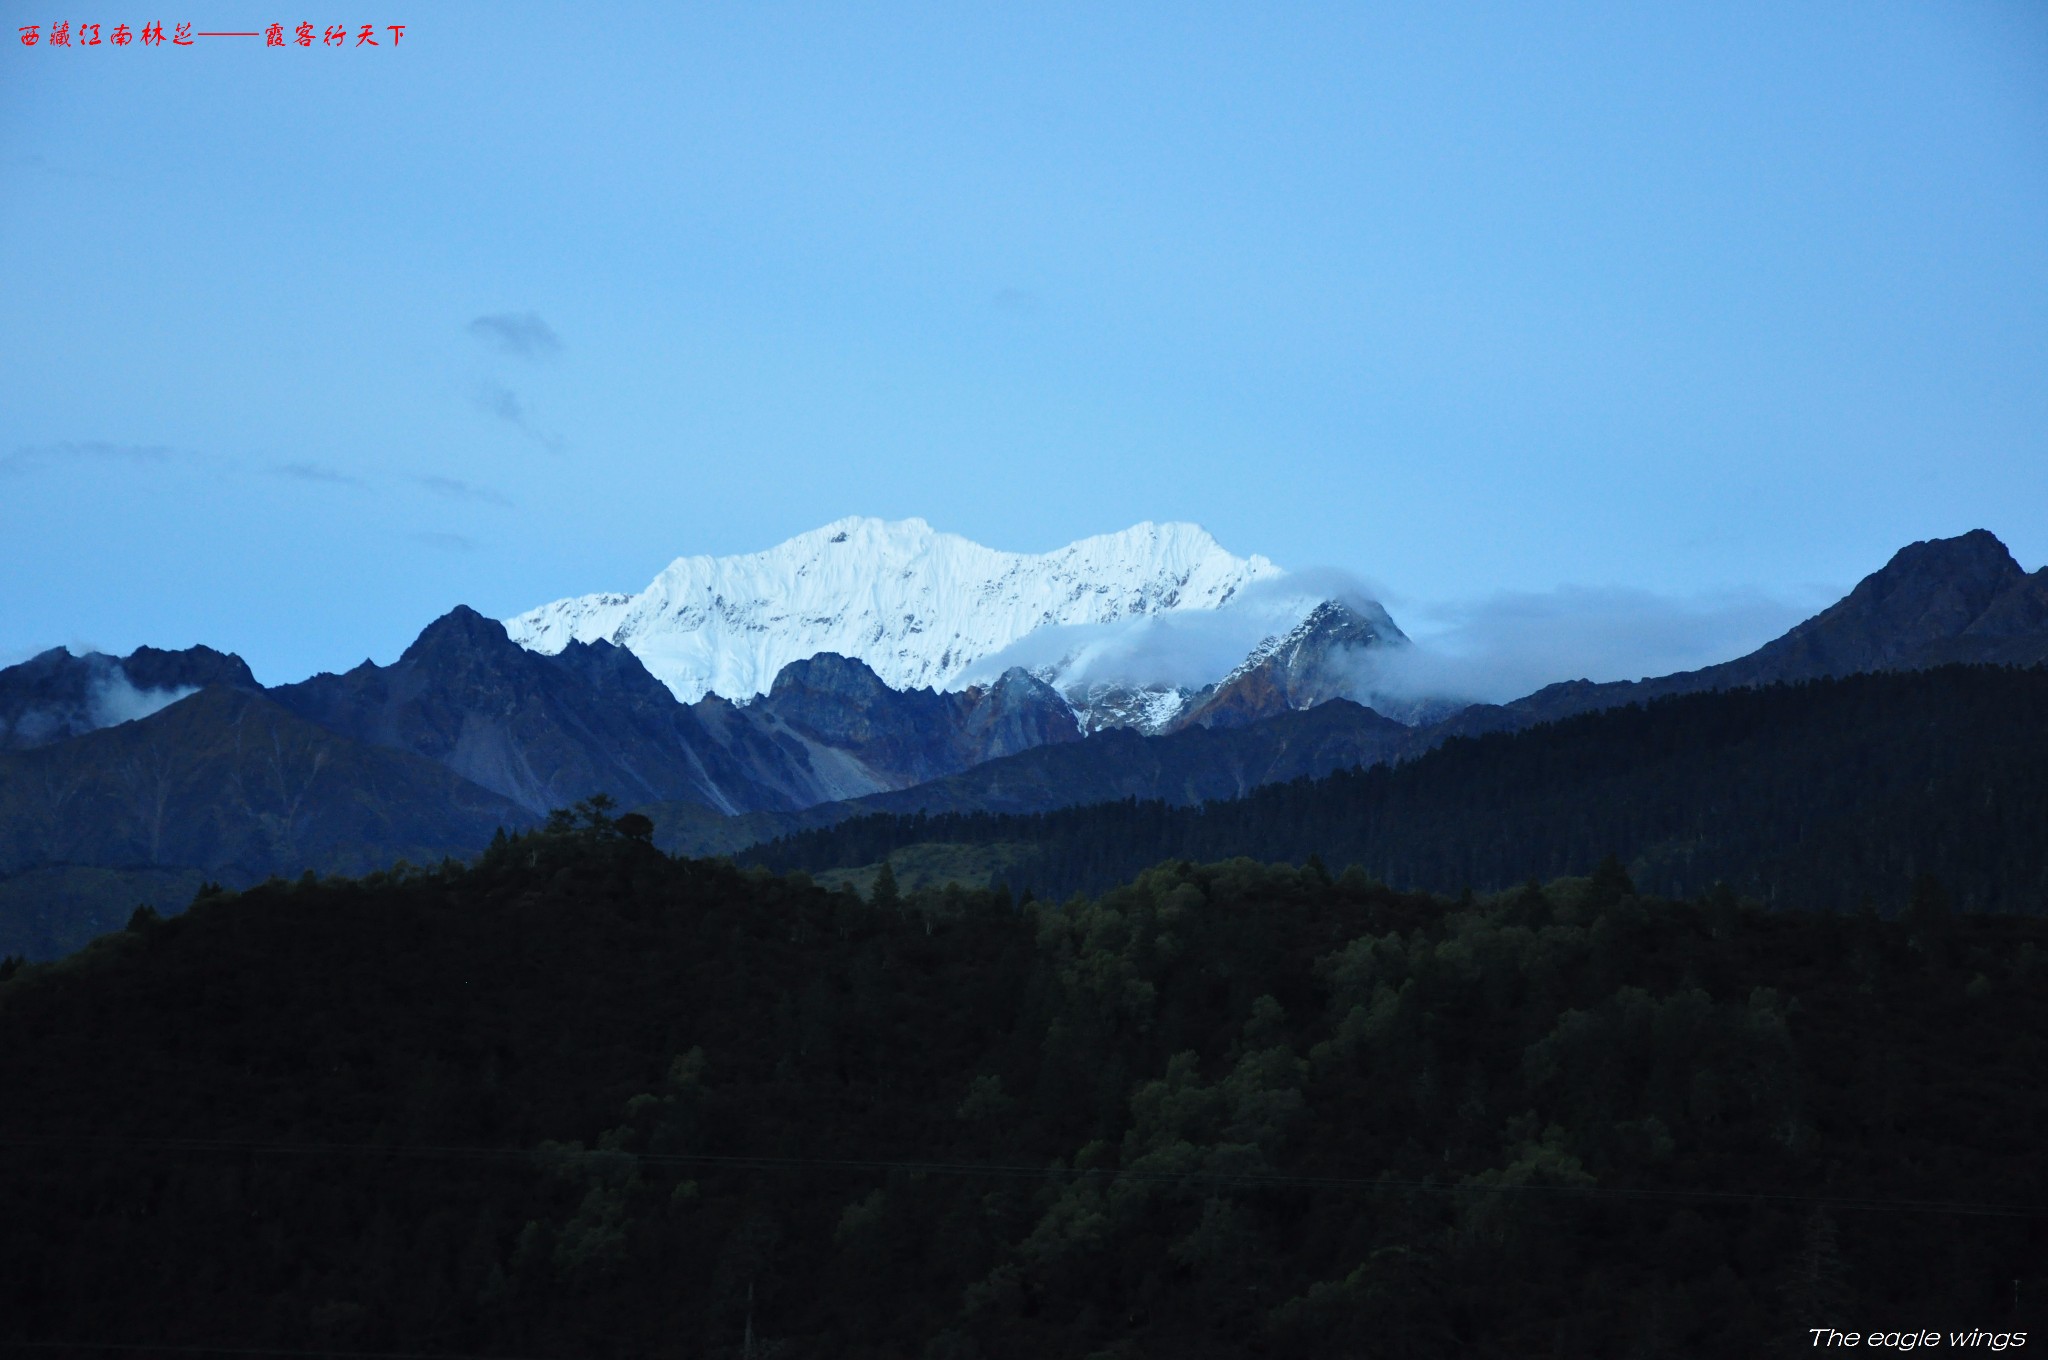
(885, 893)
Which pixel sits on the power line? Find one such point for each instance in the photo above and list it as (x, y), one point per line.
(1246, 1179)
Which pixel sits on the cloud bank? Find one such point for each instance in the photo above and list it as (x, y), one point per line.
(1513, 643)
(1489, 650)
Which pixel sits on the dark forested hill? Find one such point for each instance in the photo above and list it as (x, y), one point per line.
(583, 1100)
(1827, 794)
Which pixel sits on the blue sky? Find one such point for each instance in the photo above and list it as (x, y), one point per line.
(1702, 308)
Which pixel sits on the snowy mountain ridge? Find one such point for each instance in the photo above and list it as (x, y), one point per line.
(918, 606)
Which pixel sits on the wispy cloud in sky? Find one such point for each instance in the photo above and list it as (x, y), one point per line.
(502, 402)
(494, 398)
(523, 335)
(35, 457)
(318, 473)
(437, 538)
(456, 490)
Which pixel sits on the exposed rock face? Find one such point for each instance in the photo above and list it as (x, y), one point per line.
(2020, 611)
(194, 667)
(55, 695)
(1150, 709)
(1325, 657)
(1017, 713)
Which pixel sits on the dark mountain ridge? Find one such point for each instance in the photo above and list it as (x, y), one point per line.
(421, 759)
(55, 695)
(1936, 602)
(549, 730)
(543, 731)
(522, 732)
(1830, 794)
(229, 782)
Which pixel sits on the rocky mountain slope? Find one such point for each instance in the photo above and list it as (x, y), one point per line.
(229, 783)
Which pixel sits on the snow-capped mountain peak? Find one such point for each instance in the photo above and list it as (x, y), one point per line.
(917, 605)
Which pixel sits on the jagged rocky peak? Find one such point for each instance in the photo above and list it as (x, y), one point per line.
(1929, 590)
(839, 701)
(843, 677)
(460, 629)
(1960, 599)
(1017, 712)
(54, 695)
(917, 606)
(1325, 656)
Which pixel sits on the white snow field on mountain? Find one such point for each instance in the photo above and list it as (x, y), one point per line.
(922, 608)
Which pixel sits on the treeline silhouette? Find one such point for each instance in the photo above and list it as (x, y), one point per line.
(581, 1099)
(1832, 794)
